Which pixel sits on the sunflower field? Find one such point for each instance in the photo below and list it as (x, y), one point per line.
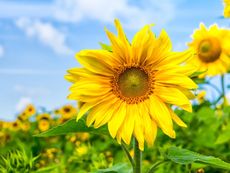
(140, 107)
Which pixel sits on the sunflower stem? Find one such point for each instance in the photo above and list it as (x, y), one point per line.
(137, 157)
(222, 86)
(128, 154)
(152, 169)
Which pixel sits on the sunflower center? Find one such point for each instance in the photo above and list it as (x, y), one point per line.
(66, 110)
(132, 84)
(209, 50)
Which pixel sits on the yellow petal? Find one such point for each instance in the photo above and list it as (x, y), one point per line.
(94, 64)
(177, 119)
(150, 127)
(180, 80)
(98, 112)
(119, 48)
(102, 120)
(177, 58)
(87, 106)
(160, 113)
(117, 119)
(173, 96)
(139, 127)
(128, 125)
(141, 43)
(121, 33)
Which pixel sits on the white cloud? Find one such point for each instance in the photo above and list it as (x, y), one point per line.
(23, 102)
(30, 91)
(2, 51)
(45, 33)
(132, 15)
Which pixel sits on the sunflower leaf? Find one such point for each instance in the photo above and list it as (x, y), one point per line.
(198, 73)
(118, 168)
(106, 47)
(72, 126)
(184, 156)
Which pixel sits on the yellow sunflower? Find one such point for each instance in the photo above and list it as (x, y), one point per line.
(30, 110)
(43, 116)
(68, 111)
(226, 8)
(43, 125)
(131, 87)
(212, 47)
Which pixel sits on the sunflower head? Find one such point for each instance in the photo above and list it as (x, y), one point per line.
(16, 125)
(43, 116)
(43, 125)
(131, 86)
(212, 50)
(30, 110)
(226, 8)
(25, 126)
(68, 111)
(227, 11)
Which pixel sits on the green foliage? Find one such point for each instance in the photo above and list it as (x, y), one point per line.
(106, 47)
(72, 126)
(118, 168)
(16, 161)
(184, 156)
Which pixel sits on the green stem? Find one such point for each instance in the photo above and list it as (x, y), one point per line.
(222, 93)
(214, 87)
(128, 155)
(151, 170)
(222, 86)
(137, 157)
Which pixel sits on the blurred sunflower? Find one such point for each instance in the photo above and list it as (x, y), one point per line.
(25, 126)
(201, 96)
(43, 125)
(1, 125)
(44, 116)
(30, 110)
(16, 125)
(131, 87)
(57, 111)
(68, 111)
(212, 48)
(226, 8)
(44, 121)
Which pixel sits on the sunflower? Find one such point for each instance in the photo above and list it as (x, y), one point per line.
(212, 50)
(16, 125)
(226, 8)
(30, 110)
(201, 96)
(131, 87)
(43, 125)
(44, 116)
(68, 111)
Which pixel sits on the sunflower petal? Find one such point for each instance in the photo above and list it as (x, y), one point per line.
(173, 96)
(94, 64)
(160, 113)
(117, 119)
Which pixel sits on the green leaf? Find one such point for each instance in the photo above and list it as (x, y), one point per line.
(224, 136)
(197, 73)
(184, 156)
(72, 126)
(46, 169)
(106, 47)
(118, 168)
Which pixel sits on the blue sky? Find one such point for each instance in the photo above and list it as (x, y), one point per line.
(38, 39)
